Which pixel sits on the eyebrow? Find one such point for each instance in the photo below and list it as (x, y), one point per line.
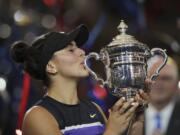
(71, 45)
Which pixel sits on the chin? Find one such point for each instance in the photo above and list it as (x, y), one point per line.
(159, 99)
(80, 74)
(84, 74)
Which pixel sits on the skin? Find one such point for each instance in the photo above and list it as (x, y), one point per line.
(65, 69)
(138, 124)
(164, 89)
(161, 92)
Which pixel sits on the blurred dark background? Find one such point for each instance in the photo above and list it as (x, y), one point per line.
(154, 22)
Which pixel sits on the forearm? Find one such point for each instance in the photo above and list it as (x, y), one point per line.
(109, 132)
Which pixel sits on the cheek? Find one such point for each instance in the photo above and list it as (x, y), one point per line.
(163, 90)
(66, 63)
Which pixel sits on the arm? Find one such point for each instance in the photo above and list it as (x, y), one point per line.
(38, 121)
(137, 126)
(119, 117)
(138, 122)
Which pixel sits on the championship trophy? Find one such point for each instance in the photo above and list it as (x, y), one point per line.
(125, 61)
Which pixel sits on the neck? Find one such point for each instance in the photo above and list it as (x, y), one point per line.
(160, 105)
(64, 90)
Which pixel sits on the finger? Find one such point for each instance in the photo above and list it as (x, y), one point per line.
(129, 118)
(144, 98)
(118, 104)
(131, 111)
(143, 95)
(137, 98)
(109, 111)
(140, 99)
(125, 106)
(148, 84)
(149, 81)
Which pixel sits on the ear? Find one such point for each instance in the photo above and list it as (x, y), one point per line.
(51, 68)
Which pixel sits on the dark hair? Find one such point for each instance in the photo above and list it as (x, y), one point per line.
(29, 57)
(35, 57)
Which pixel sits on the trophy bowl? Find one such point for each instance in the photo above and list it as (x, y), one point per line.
(125, 61)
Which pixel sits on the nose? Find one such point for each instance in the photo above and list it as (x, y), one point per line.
(81, 52)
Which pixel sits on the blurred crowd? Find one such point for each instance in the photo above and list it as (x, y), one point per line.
(154, 22)
(162, 115)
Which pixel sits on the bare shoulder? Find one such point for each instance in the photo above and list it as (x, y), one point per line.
(38, 121)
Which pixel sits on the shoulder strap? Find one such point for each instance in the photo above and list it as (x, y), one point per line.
(101, 111)
(54, 111)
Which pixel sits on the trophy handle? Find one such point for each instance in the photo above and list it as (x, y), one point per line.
(97, 57)
(162, 52)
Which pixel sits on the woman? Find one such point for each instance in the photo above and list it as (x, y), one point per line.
(56, 59)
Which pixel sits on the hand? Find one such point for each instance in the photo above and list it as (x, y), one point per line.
(143, 95)
(138, 121)
(120, 116)
(148, 84)
(142, 98)
(138, 126)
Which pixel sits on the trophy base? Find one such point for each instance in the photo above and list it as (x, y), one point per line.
(128, 93)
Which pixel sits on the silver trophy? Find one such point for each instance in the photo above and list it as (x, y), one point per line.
(125, 61)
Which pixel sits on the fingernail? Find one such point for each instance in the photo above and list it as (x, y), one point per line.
(135, 104)
(141, 91)
(131, 99)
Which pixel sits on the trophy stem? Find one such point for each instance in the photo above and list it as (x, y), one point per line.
(129, 93)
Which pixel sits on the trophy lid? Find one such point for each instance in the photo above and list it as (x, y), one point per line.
(124, 39)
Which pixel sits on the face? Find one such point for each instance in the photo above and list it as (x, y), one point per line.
(165, 86)
(69, 62)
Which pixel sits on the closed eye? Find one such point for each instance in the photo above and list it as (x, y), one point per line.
(71, 50)
(71, 47)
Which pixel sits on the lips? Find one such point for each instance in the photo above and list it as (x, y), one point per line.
(82, 62)
(83, 65)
